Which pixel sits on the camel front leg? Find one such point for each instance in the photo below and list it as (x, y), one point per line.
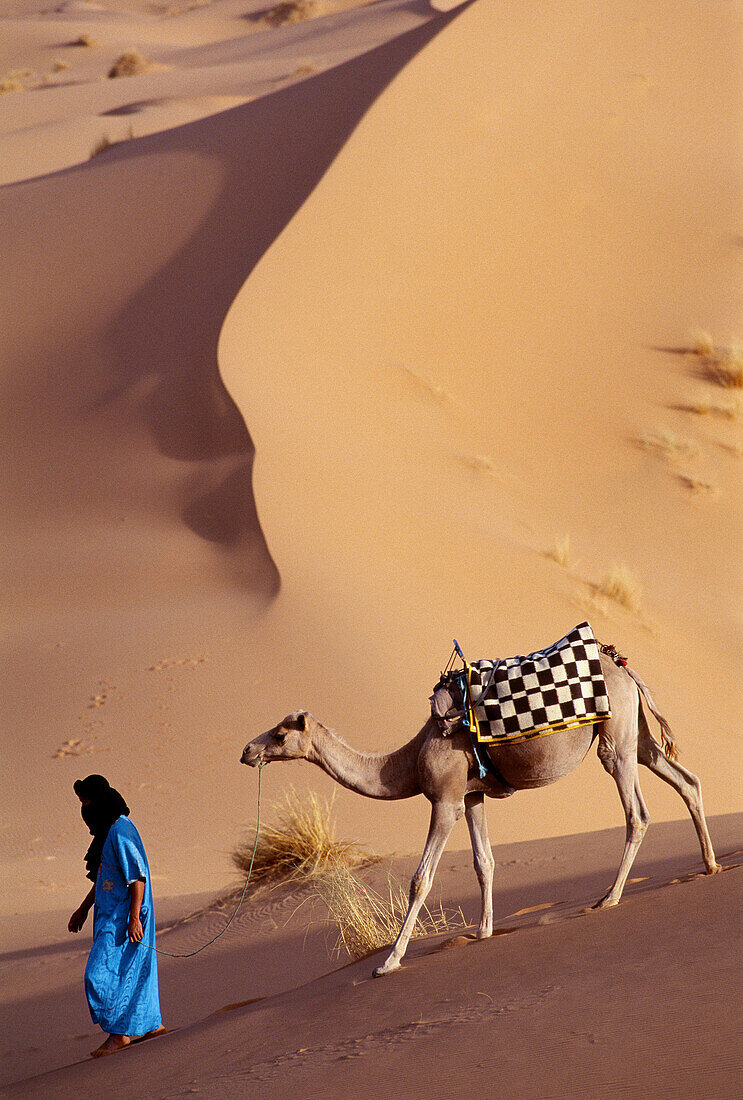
(477, 823)
(443, 817)
(623, 769)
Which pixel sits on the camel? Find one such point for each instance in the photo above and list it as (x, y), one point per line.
(442, 768)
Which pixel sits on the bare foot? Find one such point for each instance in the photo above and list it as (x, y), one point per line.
(111, 1045)
(150, 1034)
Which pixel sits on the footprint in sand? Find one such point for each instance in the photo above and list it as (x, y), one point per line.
(175, 662)
(74, 746)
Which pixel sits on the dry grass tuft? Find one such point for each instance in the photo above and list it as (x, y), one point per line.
(702, 344)
(621, 587)
(100, 146)
(481, 464)
(10, 84)
(59, 66)
(302, 844)
(726, 369)
(366, 921)
(561, 552)
(698, 486)
(85, 40)
(729, 411)
(133, 63)
(434, 389)
(292, 11)
(668, 444)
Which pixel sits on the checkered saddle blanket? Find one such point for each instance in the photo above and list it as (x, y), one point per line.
(554, 689)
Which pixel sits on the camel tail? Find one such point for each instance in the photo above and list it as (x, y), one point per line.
(667, 741)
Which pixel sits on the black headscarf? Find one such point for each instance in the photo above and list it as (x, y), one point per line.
(105, 805)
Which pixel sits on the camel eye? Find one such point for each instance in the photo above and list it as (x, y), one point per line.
(279, 738)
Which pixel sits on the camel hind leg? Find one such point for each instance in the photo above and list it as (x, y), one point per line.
(682, 780)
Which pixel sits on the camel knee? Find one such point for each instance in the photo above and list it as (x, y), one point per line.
(419, 886)
(694, 790)
(638, 820)
(484, 867)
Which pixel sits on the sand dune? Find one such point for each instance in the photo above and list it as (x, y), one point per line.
(421, 280)
(517, 1009)
(362, 334)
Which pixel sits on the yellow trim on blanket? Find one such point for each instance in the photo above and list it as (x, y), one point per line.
(474, 724)
(542, 731)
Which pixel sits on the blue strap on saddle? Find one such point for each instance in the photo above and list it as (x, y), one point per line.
(483, 765)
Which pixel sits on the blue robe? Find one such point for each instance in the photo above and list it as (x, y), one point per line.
(121, 977)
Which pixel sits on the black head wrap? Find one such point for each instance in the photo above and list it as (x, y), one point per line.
(105, 805)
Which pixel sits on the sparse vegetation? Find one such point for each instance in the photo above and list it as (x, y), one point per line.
(301, 845)
(10, 84)
(668, 444)
(728, 411)
(85, 40)
(726, 369)
(433, 388)
(721, 365)
(104, 142)
(481, 464)
(366, 921)
(292, 11)
(698, 486)
(621, 587)
(561, 552)
(133, 63)
(59, 66)
(702, 344)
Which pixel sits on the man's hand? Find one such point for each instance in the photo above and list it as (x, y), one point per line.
(136, 891)
(78, 919)
(136, 932)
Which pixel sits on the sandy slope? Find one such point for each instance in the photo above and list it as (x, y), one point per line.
(641, 1000)
(448, 267)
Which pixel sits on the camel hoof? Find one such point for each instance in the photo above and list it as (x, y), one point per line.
(606, 903)
(484, 933)
(715, 869)
(384, 969)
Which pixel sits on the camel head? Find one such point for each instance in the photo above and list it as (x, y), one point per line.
(290, 740)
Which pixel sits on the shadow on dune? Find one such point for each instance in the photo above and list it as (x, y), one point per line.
(152, 364)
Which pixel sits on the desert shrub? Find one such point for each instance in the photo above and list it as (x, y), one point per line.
(728, 411)
(621, 587)
(292, 11)
(702, 344)
(301, 844)
(100, 146)
(726, 369)
(561, 552)
(366, 921)
(132, 63)
(668, 444)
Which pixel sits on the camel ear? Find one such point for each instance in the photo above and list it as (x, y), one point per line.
(302, 721)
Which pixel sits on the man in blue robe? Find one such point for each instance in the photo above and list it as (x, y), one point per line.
(121, 973)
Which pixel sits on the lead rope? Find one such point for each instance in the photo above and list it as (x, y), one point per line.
(190, 954)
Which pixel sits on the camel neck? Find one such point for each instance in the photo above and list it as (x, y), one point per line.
(376, 775)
